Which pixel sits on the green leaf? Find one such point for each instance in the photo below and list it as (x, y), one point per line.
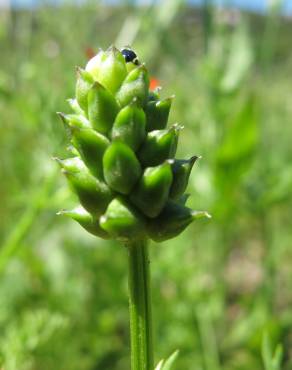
(167, 364)
(239, 60)
(272, 360)
(159, 365)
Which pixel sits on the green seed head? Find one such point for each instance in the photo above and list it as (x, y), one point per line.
(124, 171)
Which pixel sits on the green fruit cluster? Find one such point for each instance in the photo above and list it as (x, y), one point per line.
(123, 171)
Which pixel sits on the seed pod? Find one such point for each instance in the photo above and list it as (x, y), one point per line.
(83, 85)
(91, 146)
(93, 194)
(181, 170)
(122, 221)
(129, 126)
(135, 85)
(172, 221)
(102, 108)
(157, 113)
(151, 192)
(124, 171)
(121, 167)
(87, 221)
(159, 146)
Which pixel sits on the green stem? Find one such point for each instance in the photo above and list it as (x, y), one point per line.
(140, 307)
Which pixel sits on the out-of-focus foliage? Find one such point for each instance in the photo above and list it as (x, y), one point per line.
(222, 284)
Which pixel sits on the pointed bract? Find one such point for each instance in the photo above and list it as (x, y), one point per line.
(113, 70)
(86, 220)
(102, 108)
(94, 195)
(151, 192)
(72, 121)
(159, 146)
(172, 221)
(135, 85)
(74, 164)
(94, 64)
(83, 85)
(129, 126)
(73, 103)
(157, 113)
(91, 146)
(121, 167)
(181, 170)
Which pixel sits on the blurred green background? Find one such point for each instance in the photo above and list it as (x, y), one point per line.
(222, 290)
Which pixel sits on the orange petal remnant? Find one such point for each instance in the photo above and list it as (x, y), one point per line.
(154, 83)
(89, 52)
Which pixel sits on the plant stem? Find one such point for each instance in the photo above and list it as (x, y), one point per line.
(140, 307)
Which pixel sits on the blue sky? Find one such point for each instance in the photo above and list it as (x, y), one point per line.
(254, 5)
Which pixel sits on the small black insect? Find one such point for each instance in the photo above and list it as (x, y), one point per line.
(130, 56)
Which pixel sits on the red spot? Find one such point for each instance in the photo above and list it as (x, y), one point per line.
(89, 52)
(154, 83)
